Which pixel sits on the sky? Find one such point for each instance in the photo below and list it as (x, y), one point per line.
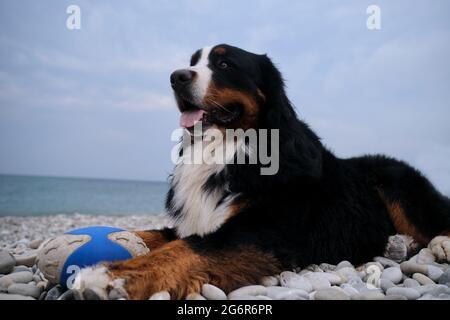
(96, 102)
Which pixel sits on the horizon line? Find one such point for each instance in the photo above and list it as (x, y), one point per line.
(79, 177)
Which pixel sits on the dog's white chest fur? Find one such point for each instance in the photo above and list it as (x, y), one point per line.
(201, 212)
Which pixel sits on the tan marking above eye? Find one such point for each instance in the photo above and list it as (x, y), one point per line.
(220, 50)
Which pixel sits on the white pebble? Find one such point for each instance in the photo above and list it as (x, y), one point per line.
(6, 296)
(434, 273)
(422, 279)
(393, 273)
(344, 264)
(425, 256)
(25, 290)
(331, 294)
(284, 293)
(211, 292)
(162, 295)
(409, 293)
(17, 277)
(254, 290)
(368, 295)
(293, 280)
(346, 273)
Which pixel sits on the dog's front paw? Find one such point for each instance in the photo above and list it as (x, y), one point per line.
(97, 283)
(440, 246)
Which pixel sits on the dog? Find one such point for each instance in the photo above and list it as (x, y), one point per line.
(234, 226)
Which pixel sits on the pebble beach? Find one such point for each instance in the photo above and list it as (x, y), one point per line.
(419, 277)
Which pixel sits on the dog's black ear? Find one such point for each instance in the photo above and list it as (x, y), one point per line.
(278, 108)
(299, 148)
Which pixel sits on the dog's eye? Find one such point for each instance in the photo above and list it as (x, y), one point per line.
(223, 65)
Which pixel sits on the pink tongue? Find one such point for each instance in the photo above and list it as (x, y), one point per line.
(189, 118)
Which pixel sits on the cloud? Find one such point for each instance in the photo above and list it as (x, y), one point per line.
(139, 100)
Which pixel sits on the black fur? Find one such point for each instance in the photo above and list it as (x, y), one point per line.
(317, 208)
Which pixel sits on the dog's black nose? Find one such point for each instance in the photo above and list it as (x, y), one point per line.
(180, 78)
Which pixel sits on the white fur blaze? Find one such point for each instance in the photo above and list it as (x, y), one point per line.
(203, 78)
(98, 280)
(201, 212)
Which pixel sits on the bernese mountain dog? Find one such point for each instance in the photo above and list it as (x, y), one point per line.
(233, 225)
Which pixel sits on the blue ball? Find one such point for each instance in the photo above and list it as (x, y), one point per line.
(62, 257)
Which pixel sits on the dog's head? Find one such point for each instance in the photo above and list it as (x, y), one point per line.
(230, 88)
(225, 86)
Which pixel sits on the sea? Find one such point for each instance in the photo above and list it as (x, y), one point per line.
(33, 196)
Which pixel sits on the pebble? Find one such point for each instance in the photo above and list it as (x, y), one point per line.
(116, 294)
(429, 288)
(284, 293)
(434, 273)
(431, 297)
(327, 267)
(409, 267)
(386, 284)
(411, 283)
(296, 282)
(409, 293)
(422, 279)
(25, 290)
(439, 289)
(331, 294)
(304, 272)
(36, 278)
(254, 290)
(349, 290)
(35, 243)
(7, 262)
(396, 248)
(395, 297)
(71, 295)
(5, 296)
(346, 273)
(393, 274)
(270, 281)
(314, 268)
(245, 297)
(211, 292)
(27, 259)
(344, 264)
(21, 268)
(445, 278)
(162, 295)
(319, 283)
(386, 262)
(17, 277)
(54, 293)
(425, 256)
(368, 295)
(195, 296)
(333, 278)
